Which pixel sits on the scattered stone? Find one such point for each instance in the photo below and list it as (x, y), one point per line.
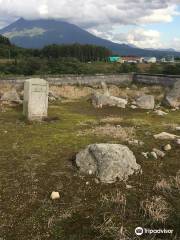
(90, 172)
(96, 181)
(52, 96)
(87, 183)
(35, 103)
(100, 100)
(160, 113)
(177, 129)
(159, 152)
(136, 142)
(154, 155)
(55, 195)
(129, 187)
(173, 97)
(108, 162)
(11, 96)
(133, 107)
(145, 154)
(165, 136)
(146, 102)
(178, 141)
(167, 147)
(158, 106)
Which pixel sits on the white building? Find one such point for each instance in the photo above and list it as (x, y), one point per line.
(150, 59)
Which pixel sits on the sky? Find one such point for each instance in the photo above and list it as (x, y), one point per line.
(143, 23)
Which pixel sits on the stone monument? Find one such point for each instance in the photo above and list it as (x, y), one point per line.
(35, 105)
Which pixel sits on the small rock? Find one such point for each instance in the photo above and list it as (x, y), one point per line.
(160, 113)
(154, 155)
(145, 154)
(136, 142)
(87, 183)
(129, 186)
(165, 136)
(96, 181)
(159, 152)
(55, 195)
(167, 147)
(178, 141)
(90, 172)
(133, 142)
(177, 128)
(133, 107)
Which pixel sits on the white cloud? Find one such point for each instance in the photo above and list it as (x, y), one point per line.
(174, 43)
(141, 38)
(99, 17)
(93, 12)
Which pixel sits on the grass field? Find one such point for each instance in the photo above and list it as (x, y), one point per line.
(37, 158)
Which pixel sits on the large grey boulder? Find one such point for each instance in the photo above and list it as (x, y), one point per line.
(109, 162)
(145, 102)
(11, 96)
(173, 97)
(99, 100)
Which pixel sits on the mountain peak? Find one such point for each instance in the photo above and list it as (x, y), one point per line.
(42, 32)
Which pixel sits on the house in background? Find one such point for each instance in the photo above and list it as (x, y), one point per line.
(150, 60)
(114, 59)
(130, 59)
(168, 59)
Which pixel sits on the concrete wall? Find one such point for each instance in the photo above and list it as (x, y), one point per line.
(86, 80)
(164, 80)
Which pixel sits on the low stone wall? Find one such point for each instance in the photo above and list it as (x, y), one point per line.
(163, 80)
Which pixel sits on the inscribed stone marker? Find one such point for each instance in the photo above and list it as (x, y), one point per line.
(35, 105)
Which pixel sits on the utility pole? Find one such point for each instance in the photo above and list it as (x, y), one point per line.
(9, 54)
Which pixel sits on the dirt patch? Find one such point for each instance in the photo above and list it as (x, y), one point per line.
(115, 132)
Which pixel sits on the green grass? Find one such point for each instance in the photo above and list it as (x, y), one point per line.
(36, 159)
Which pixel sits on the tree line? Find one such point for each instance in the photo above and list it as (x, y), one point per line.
(83, 53)
(4, 40)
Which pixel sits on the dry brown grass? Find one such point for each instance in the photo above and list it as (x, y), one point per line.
(90, 122)
(71, 92)
(177, 180)
(156, 208)
(115, 132)
(163, 185)
(111, 120)
(170, 126)
(117, 197)
(109, 227)
(172, 184)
